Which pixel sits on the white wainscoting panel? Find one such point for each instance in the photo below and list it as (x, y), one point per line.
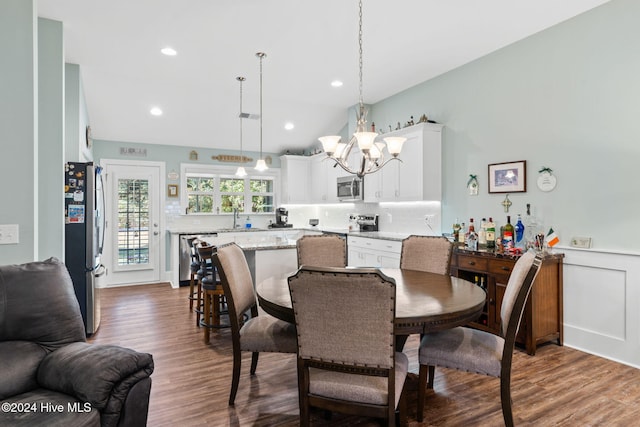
(601, 303)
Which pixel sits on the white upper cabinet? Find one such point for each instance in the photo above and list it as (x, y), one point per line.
(324, 175)
(418, 176)
(295, 179)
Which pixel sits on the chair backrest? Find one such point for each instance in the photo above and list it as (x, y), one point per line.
(344, 315)
(426, 253)
(38, 304)
(236, 281)
(323, 250)
(517, 291)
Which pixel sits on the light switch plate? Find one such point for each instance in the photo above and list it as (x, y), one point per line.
(581, 242)
(9, 234)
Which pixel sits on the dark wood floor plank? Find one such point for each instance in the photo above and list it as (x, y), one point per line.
(559, 386)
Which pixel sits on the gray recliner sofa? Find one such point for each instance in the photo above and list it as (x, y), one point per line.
(49, 374)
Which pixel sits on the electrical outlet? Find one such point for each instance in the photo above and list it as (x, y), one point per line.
(428, 219)
(581, 242)
(9, 234)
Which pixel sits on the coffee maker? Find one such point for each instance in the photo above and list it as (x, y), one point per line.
(282, 216)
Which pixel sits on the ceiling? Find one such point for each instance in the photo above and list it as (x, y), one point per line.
(308, 44)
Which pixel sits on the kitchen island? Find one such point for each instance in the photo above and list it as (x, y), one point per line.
(268, 251)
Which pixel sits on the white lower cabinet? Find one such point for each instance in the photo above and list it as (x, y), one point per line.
(368, 252)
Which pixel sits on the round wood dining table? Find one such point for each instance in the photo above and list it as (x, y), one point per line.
(425, 302)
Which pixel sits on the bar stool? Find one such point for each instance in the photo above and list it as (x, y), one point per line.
(213, 294)
(194, 267)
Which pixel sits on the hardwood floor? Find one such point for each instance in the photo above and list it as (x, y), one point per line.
(557, 387)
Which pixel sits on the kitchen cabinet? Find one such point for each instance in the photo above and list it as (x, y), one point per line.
(368, 252)
(419, 174)
(324, 175)
(295, 179)
(543, 315)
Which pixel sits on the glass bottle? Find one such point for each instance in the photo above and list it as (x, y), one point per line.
(532, 228)
(519, 233)
(491, 234)
(461, 234)
(456, 230)
(507, 234)
(482, 234)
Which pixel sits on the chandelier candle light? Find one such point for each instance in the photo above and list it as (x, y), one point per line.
(261, 165)
(241, 172)
(372, 152)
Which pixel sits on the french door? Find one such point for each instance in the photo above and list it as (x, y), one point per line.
(133, 232)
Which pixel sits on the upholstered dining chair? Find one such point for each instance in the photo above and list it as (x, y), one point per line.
(426, 253)
(346, 348)
(258, 333)
(481, 352)
(324, 250)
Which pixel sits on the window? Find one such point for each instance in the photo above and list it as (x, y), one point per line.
(133, 221)
(215, 190)
(200, 193)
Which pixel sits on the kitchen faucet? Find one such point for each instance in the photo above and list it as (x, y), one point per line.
(236, 216)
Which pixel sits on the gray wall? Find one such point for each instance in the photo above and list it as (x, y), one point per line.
(18, 122)
(566, 98)
(50, 174)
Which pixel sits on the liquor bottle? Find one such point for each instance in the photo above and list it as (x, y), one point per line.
(482, 234)
(507, 234)
(519, 233)
(456, 230)
(532, 228)
(461, 235)
(491, 234)
(471, 237)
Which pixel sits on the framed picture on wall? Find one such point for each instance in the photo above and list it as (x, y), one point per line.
(172, 190)
(509, 177)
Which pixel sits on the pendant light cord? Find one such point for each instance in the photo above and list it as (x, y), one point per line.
(360, 52)
(241, 79)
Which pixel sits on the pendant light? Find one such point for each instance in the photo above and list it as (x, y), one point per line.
(241, 172)
(371, 152)
(261, 165)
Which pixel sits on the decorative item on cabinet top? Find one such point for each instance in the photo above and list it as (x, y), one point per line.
(230, 158)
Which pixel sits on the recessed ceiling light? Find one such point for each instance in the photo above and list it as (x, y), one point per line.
(169, 51)
(336, 83)
(288, 126)
(155, 111)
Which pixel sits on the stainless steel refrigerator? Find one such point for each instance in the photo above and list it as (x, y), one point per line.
(84, 236)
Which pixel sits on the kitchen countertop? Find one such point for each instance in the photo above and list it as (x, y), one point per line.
(386, 235)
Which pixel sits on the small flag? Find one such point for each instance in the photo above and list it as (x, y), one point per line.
(552, 238)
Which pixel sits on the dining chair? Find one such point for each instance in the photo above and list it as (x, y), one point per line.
(254, 333)
(426, 253)
(347, 361)
(324, 250)
(477, 351)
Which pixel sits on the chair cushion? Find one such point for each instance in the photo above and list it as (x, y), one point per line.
(45, 410)
(358, 388)
(19, 361)
(265, 333)
(464, 349)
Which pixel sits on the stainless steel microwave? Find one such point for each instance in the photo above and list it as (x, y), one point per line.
(350, 188)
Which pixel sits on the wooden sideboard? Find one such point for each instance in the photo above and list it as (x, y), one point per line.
(542, 318)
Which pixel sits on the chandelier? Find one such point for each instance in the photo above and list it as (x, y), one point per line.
(241, 172)
(261, 165)
(372, 153)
